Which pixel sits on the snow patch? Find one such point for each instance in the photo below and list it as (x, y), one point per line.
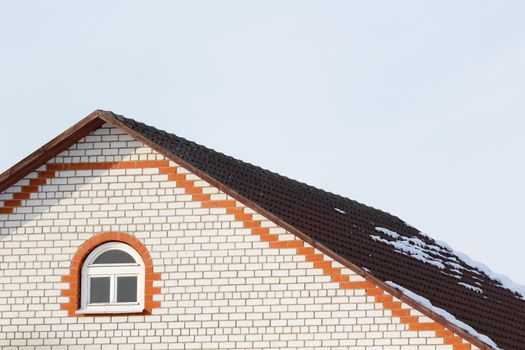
(388, 232)
(446, 315)
(410, 246)
(471, 287)
(505, 281)
(340, 210)
(441, 255)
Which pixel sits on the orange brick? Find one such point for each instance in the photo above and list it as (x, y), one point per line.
(177, 177)
(444, 333)
(153, 276)
(242, 217)
(37, 182)
(151, 304)
(295, 244)
(235, 210)
(168, 170)
(69, 278)
(74, 300)
(277, 244)
(46, 174)
(12, 203)
(322, 264)
(260, 230)
(384, 299)
(210, 204)
(314, 257)
(53, 167)
(340, 278)
(349, 285)
(269, 238)
(21, 196)
(391, 305)
(400, 312)
(409, 319)
(374, 291)
(193, 190)
(305, 251)
(152, 290)
(185, 183)
(366, 285)
(68, 292)
(201, 197)
(249, 224)
(332, 271)
(425, 326)
(68, 307)
(453, 340)
(29, 189)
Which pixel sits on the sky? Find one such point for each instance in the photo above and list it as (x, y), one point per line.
(413, 107)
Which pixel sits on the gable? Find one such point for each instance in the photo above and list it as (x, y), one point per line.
(247, 269)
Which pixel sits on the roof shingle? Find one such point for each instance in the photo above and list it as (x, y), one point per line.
(376, 241)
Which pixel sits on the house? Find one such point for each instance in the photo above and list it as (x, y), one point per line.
(116, 235)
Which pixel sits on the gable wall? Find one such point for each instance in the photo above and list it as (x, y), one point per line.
(229, 278)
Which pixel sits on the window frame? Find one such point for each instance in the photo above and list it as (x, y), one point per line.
(113, 271)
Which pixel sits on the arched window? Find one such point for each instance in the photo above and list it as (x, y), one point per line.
(112, 280)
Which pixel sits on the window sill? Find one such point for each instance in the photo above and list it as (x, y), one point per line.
(110, 310)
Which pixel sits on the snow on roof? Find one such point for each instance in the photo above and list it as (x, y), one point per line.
(471, 287)
(441, 255)
(411, 246)
(341, 211)
(446, 315)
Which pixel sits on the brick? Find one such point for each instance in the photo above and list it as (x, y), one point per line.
(210, 281)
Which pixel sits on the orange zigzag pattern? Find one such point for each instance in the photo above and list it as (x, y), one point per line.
(319, 260)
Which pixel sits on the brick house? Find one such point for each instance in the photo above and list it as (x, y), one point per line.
(116, 235)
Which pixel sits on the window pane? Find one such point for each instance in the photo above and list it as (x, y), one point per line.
(99, 290)
(114, 257)
(126, 289)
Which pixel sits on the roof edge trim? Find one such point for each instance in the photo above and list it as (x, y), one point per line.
(60, 143)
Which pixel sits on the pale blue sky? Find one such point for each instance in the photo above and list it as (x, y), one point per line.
(414, 107)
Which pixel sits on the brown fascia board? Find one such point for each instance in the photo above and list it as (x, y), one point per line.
(360, 271)
(51, 149)
(99, 118)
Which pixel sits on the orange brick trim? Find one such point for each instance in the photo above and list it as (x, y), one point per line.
(25, 192)
(319, 260)
(42, 177)
(108, 165)
(73, 292)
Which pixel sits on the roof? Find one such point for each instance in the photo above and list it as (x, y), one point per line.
(376, 244)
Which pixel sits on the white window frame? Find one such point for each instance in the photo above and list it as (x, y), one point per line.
(113, 271)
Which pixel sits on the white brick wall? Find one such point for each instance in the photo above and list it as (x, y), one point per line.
(221, 287)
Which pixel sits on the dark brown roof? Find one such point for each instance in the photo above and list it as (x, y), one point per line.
(380, 245)
(348, 228)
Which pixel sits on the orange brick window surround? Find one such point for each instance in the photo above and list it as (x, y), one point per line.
(73, 291)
